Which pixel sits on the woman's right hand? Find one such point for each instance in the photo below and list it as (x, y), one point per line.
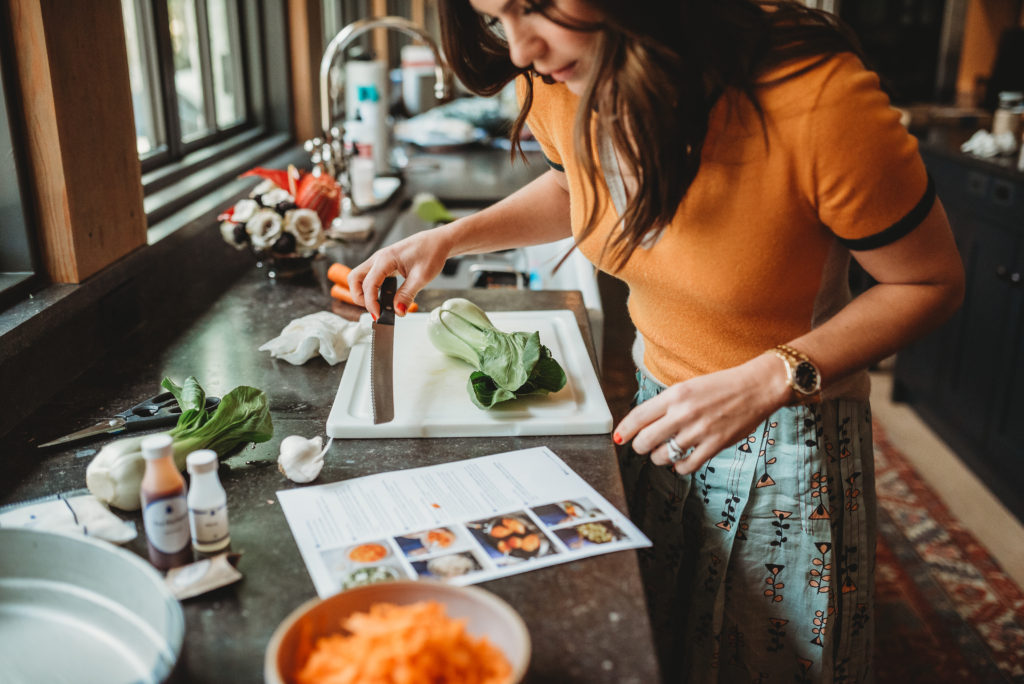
(418, 259)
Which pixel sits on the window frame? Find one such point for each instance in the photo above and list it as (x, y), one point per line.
(181, 171)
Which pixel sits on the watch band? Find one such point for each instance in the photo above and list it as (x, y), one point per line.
(801, 373)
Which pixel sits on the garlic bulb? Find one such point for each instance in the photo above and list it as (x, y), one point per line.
(264, 228)
(302, 459)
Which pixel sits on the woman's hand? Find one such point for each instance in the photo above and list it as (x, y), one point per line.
(418, 259)
(707, 413)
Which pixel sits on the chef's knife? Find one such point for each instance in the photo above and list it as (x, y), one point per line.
(382, 355)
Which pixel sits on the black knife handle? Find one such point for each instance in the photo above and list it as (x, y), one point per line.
(386, 298)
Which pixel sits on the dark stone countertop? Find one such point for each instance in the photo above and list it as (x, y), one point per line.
(587, 619)
(945, 141)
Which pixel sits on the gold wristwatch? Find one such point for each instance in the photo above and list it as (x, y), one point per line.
(801, 373)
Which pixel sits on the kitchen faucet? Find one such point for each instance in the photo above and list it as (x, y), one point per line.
(328, 153)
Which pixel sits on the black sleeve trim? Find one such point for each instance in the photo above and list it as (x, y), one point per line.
(556, 166)
(899, 229)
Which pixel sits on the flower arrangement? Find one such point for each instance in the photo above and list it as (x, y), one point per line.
(287, 215)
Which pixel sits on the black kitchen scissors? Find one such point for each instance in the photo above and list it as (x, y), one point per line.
(156, 411)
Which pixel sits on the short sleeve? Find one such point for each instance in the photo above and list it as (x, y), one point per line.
(542, 119)
(870, 184)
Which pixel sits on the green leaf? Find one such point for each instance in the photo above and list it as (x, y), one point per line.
(484, 392)
(192, 400)
(509, 358)
(547, 377)
(242, 416)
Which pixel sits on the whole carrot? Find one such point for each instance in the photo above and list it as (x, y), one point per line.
(341, 292)
(338, 273)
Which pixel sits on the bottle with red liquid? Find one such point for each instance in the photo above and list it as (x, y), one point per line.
(164, 506)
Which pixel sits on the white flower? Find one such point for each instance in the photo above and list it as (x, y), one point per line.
(264, 228)
(227, 231)
(244, 210)
(275, 197)
(263, 187)
(305, 225)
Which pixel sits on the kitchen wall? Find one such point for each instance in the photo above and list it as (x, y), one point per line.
(985, 22)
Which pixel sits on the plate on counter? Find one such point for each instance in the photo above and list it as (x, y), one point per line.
(432, 399)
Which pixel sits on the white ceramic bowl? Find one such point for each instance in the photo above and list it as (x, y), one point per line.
(485, 615)
(75, 609)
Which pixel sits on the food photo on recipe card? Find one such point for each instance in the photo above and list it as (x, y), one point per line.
(463, 522)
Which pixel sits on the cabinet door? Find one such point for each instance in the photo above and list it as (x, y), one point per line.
(970, 397)
(1007, 430)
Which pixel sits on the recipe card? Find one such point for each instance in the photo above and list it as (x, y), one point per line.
(462, 522)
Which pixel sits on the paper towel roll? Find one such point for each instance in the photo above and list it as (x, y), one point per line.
(362, 73)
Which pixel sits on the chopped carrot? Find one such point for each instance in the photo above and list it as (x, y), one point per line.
(391, 644)
(338, 273)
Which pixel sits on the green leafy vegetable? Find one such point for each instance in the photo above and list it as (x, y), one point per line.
(242, 416)
(114, 476)
(508, 365)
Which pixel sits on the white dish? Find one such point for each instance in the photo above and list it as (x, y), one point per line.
(74, 609)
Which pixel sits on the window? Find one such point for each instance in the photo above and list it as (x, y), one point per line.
(208, 80)
(17, 265)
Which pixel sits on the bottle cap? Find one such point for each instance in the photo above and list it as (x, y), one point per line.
(201, 461)
(156, 446)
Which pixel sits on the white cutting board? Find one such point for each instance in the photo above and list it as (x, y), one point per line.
(432, 399)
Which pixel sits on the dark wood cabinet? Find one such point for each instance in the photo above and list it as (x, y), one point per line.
(966, 379)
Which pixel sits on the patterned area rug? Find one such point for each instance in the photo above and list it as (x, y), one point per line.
(945, 611)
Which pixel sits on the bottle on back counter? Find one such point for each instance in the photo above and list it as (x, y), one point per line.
(164, 507)
(207, 503)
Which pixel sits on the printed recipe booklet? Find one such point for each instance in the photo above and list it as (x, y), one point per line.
(462, 522)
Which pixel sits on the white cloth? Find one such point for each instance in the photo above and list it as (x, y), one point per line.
(70, 514)
(984, 144)
(323, 332)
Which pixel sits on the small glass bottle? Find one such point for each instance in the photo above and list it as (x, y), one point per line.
(164, 508)
(1006, 118)
(207, 503)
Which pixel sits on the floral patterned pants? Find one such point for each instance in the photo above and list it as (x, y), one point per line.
(762, 568)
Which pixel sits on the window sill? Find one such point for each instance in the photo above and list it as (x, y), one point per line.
(57, 333)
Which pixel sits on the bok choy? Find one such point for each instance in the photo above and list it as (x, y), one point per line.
(114, 476)
(508, 365)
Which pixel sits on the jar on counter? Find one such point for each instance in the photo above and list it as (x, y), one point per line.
(1007, 116)
(164, 509)
(207, 503)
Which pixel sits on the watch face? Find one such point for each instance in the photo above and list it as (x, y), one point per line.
(806, 377)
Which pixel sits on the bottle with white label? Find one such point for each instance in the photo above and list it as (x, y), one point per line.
(164, 507)
(207, 503)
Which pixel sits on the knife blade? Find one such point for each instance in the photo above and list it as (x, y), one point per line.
(382, 353)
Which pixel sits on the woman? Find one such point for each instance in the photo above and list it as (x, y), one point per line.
(725, 158)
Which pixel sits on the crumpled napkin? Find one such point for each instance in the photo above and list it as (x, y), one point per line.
(984, 144)
(323, 332)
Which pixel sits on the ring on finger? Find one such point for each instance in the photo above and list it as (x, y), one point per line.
(675, 452)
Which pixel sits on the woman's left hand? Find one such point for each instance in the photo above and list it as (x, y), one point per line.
(707, 413)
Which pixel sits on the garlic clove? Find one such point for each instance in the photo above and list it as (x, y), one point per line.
(302, 459)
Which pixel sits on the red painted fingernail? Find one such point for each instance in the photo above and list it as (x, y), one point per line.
(400, 308)
(373, 316)
(617, 438)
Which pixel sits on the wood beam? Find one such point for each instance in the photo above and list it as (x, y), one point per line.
(305, 26)
(80, 133)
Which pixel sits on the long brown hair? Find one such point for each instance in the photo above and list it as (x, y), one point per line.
(665, 65)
